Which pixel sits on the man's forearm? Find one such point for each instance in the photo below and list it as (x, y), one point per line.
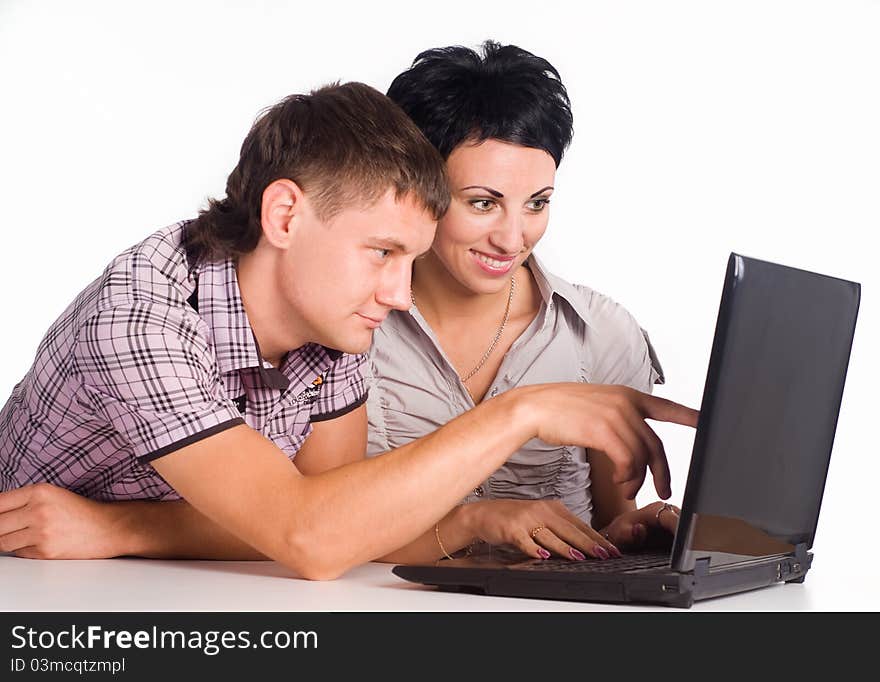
(322, 525)
(177, 530)
(170, 530)
(407, 490)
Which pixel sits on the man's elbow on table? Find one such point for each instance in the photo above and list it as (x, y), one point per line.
(265, 501)
(311, 543)
(311, 559)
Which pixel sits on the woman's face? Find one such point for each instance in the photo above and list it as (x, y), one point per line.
(499, 211)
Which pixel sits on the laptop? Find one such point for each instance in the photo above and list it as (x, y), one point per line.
(759, 463)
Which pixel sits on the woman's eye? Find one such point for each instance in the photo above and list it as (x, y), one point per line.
(538, 204)
(383, 253)
(482, 204)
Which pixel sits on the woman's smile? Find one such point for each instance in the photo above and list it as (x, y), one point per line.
(493, 264)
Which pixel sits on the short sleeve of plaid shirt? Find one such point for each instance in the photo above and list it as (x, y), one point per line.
(148, 369)
(344, 385)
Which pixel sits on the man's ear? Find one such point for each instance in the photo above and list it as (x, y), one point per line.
(282, 201)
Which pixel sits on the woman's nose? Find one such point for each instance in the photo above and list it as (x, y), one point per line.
(508, 237)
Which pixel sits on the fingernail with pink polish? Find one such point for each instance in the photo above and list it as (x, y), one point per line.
(601, 552)
(575, 554)
(615, 552)
(543, 553)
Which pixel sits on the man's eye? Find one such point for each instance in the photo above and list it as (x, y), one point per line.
(383, 253)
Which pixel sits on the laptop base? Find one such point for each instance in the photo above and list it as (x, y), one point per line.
(660, 586)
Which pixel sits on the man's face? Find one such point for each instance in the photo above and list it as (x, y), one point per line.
(343, 276)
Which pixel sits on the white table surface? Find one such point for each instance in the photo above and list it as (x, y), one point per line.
(151, 585)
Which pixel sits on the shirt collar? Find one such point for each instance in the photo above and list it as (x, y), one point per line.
(550, 285)
(221, 307)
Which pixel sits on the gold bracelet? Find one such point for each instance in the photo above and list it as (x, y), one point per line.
(442, 548)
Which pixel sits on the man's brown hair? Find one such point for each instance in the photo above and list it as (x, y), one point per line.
(342, 144)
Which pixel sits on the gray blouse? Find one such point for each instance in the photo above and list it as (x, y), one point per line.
(577, 335)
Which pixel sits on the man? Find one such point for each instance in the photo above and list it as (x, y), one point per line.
(209, 356)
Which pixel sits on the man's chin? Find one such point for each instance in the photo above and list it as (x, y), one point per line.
(353, 344)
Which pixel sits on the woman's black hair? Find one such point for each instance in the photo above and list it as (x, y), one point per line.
(455, 94)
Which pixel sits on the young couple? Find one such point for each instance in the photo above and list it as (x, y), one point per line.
(367, 286)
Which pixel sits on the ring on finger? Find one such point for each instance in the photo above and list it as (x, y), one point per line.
(534, 531)
(666, 507)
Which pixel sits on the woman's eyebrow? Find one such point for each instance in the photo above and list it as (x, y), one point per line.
(540, 191)
(494, 192)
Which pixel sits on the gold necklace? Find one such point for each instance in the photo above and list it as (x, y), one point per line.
(497, 334)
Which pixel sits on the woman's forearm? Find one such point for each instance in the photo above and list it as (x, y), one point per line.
(455, 532)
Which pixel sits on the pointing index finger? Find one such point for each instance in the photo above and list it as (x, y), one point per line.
(663, 410)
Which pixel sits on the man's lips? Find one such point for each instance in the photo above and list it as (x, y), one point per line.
(375, 320)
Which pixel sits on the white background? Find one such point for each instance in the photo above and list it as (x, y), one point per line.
(700, 128)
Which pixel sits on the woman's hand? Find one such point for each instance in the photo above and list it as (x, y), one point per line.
(539, 528)
(630, 530)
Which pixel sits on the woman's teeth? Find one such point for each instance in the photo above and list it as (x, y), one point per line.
(492, 263)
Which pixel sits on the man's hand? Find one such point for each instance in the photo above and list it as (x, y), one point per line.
(43, 521)
(610, 419)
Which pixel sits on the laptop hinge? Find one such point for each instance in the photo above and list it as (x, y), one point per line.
(701, 566)
(800, 553)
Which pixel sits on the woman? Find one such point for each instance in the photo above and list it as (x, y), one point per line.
(487, 316)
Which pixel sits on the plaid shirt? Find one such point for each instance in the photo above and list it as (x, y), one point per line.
(151, 357)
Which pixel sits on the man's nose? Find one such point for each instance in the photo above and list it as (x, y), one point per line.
(394, 289)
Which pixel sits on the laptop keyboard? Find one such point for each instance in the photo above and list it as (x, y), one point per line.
(633, 562)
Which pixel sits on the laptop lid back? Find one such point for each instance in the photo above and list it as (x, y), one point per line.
(769, 412)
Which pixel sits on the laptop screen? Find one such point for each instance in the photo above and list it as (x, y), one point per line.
(769, 413)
